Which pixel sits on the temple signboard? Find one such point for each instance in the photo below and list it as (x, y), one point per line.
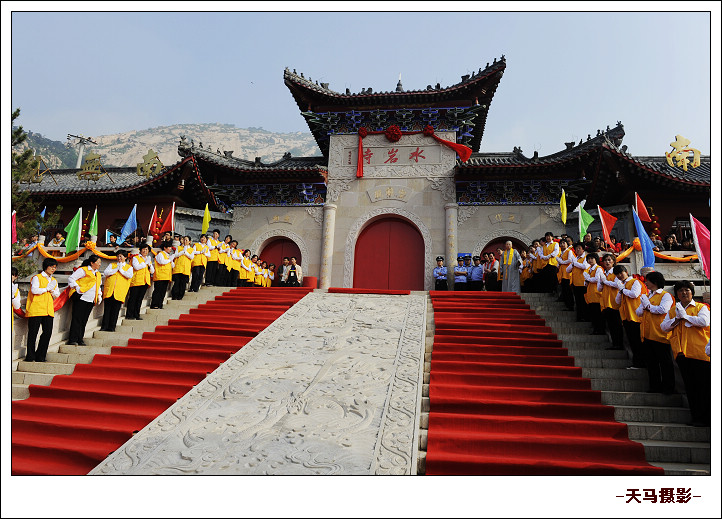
(394, 155)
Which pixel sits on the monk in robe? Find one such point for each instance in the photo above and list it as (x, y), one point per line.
(510, 264)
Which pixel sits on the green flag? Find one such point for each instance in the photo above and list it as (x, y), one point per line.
(94, 224)
(206, 220)
(584, 220)
(72, 239)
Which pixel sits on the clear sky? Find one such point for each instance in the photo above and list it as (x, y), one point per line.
(567, 75)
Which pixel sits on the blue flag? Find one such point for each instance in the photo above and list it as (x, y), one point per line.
(130, 226)
(645, 241)
(42, 213)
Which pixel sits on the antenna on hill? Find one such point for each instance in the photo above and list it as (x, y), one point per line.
(79, 141)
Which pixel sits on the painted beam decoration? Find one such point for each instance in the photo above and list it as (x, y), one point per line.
(680, 153)
(272, 194)
(510, 192)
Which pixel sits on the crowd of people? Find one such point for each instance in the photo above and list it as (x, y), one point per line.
(208, 262)
(615, 301)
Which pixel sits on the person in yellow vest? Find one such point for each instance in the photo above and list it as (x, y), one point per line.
(115, 289)
(575, 269)
(535, 256)
(247, 272)
(549, 264)
(58, 241)
(689, 325)
(593, 296)
(40, 311)
(198, 265)
(271, 275)
(652, 309)
(162, 273)
(222, 273)
(85, 282)
(139, 283)
(628, 300)
(212, 264)
(565, 259)
(233, 264)
(609, 285)
(258, 280)
(264, 275)
(182, 268)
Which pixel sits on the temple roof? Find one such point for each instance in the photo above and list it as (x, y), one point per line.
(474, 92)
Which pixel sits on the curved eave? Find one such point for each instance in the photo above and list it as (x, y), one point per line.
(655, 175)
(255, 174)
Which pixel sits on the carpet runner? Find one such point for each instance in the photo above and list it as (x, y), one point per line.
(506, 399)
(73, 424)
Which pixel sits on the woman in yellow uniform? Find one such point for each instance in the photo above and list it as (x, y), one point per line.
(85, 282)
(247, 272)
(182, 268)
(609, 285)
(652, 309)
(233, 264)
(271, 274)
(40, 311)
(258, 271)
(593, 296)
(212, 265)
(117, 283)
(222, 273)
(201, 257)
(162, 273)
(689, 324)
(139, 283)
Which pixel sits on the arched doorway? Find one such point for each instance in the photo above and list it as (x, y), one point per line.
(499, 243)
(276, 250)
(389, 254)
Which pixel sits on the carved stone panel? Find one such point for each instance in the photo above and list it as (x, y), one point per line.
(331, 387)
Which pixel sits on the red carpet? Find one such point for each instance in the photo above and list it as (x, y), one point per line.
(74, 423)
(506, 399)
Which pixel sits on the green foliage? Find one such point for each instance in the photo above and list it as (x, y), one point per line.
(48, 148)
(27, 208)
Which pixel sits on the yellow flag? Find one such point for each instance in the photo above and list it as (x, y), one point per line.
(207, 220)
(562, 206)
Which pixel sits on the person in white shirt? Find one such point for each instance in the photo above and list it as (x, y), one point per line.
(16, 290)
(39, 310)
(117, 276)
(282, 270)
(653, 307)
(86, 283)
(294, 274)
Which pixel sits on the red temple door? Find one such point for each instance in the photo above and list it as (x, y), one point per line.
(276, 250)
(389, 255)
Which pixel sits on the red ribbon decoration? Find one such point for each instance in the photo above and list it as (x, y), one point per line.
(462, 150)
(58, 303)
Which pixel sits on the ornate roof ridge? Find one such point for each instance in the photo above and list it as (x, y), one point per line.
(227, 159)
(466, 79)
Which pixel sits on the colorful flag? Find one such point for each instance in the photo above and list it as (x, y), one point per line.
(151, 225)
(94, 224)
(72, 232)
(585, 219)
(641, 208)
(702, 243)
(108, 234)
(169, 224)
(130, 225)
(607, 224)
(645, 241)
(563, 207)
(206, 220)
(15, 231)
(42, 213)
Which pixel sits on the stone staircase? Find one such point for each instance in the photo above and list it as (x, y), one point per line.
(61, 358)
(425, 405)
(656, 421)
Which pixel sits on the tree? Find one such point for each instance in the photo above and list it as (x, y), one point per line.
(27, 207)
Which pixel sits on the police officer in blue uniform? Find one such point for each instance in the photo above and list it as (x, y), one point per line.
(460, 274)
(440, 273)
(476, 276)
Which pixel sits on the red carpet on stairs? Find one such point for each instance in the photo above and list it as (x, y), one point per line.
(506, 399)
(73, 424)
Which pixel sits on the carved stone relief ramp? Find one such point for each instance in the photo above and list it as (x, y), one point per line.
(331, 387)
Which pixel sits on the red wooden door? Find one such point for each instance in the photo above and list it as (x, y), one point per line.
(389, 255)
(276, 250)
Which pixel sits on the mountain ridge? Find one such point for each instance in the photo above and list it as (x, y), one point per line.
(126, 149)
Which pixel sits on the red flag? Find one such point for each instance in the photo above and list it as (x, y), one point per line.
(15, 232)
(641, 209)
(151, 225)
(607, 224)
(701, 242)
(169, 224)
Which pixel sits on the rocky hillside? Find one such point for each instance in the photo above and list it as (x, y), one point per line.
(128, 149)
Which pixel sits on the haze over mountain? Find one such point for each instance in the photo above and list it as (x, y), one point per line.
(128, 148)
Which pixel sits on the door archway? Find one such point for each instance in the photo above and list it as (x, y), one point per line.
(278, 248)
(389, 254)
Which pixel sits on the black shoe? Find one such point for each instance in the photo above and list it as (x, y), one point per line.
(81, 343)
(29, 359)
(71, 343)
(138, 319)
(39, 360)
(672, 392)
